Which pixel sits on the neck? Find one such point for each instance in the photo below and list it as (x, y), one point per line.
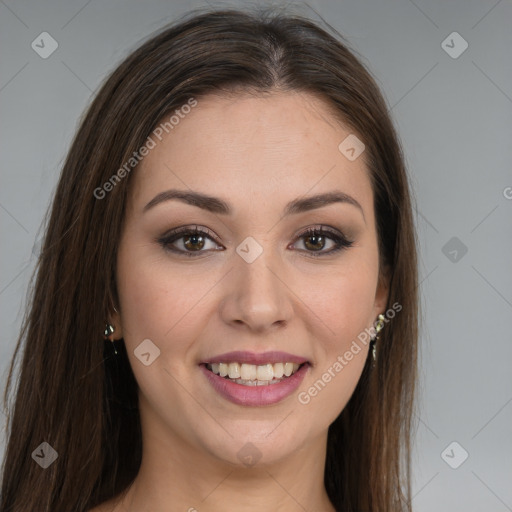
(175, 476)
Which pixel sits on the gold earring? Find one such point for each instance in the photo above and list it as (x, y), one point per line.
(380, 323)
(107, 333)
(378, 327)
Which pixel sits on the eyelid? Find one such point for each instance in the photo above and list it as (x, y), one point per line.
(340, 239)
(324, 228)
(336, 235)
(175, 234)
(201, 230)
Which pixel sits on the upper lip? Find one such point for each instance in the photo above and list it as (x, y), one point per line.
(256, 358)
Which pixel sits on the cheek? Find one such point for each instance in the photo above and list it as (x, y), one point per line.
(325, 395)
(345, 302)
(143, 301)
(355, 301)
(156, 306)
(159, 302)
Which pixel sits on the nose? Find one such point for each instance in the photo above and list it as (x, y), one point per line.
(257, 296)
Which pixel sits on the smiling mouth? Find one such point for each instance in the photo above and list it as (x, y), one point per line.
(254, 375)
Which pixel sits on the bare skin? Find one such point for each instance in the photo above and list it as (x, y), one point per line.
(257, 154)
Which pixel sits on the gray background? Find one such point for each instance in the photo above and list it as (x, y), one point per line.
(454, 116)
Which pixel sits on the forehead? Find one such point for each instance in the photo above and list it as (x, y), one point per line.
(276, 146)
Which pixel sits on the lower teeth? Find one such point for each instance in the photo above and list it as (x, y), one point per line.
(254, 382)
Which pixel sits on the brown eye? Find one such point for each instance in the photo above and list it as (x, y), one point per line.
(194, 241)
(315, 240)
(191, 240)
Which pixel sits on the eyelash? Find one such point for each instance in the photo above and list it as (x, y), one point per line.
(166, 240)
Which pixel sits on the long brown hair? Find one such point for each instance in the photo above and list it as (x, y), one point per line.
(72, 393)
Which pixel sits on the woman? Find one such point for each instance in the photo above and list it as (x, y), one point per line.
(234, 220)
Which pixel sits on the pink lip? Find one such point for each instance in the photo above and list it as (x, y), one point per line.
(257, 359)
(255, 395)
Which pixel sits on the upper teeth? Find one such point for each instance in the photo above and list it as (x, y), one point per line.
(264, 372)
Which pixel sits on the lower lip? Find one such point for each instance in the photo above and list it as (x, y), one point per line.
(255, 395)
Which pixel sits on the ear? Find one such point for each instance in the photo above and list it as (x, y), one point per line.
(115, 320)
(382, 292)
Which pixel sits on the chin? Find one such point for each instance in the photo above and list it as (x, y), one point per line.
(256, 442)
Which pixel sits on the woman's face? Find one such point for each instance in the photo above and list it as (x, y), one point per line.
(253, 283)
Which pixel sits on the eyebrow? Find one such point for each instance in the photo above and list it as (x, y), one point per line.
(219, 206)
